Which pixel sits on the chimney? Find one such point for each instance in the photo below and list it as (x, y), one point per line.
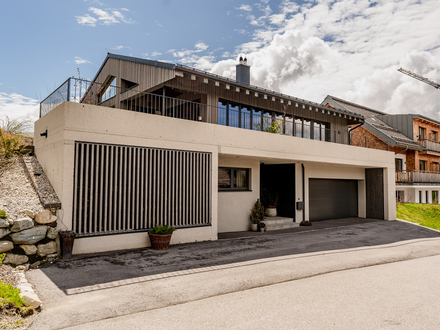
(243, 72)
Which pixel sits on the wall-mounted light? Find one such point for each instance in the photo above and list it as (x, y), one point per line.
(44, 134)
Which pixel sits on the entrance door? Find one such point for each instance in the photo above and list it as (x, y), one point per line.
(279, 179)
(332, 199)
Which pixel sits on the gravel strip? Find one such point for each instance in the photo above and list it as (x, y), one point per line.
(16, 192)
(8, 275)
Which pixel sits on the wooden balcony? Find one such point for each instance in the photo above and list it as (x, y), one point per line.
(417, 177)
(431, 145)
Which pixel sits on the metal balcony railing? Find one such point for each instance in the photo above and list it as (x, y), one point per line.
(87, 92)
(430, 144)
(417, 177)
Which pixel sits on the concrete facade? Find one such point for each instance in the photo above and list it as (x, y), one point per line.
(229, 146)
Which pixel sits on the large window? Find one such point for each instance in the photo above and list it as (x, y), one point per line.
(109, 90)
(243, 116)
(399, 164)
(233, 178)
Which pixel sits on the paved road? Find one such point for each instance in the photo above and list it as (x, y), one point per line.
(399, 295)
(94, 288)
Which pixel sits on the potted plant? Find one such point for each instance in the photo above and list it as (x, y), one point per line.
(262, 226)
(160, 236)
(272, 203)
(257, 215)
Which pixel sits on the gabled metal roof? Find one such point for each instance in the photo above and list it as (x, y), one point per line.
(376, 126)
(160, 64)
(233, 82)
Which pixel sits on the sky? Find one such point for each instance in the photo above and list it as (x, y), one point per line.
(307, 49)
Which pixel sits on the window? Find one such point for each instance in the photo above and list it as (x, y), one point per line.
(422, 165)
(435, 167)
(233, 178)
(256, 120)
(298, 127)
(434, 136)
(234, 115)
(238, 115)
(434, 197)
(127, 84)
(245, 121)
(420, 196)
(400, 196)
(223, 113)
(307, 129)
(426, 197)
(399, 164)
(109, 90)
(422, 133)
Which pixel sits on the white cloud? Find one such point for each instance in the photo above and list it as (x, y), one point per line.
(105, 17)
(346, 50)
(15, 105)
(245, 8)
(153, 54)
(79, 60)
(199, 47)
(86, 20)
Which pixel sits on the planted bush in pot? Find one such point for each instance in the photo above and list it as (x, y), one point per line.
(160, 236)
(257, 214)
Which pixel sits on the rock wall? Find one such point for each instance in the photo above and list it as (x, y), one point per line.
(32, 239)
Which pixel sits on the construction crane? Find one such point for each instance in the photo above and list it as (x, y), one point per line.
(416, 76)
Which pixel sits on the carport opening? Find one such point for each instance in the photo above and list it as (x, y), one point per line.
(278, 180)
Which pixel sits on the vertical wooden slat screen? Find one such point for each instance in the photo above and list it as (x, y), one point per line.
(126, 188)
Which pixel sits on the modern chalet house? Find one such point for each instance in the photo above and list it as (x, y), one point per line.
(413, 138)
(148, 142)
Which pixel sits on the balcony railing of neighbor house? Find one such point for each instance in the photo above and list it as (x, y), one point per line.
(87, 92)
(430, 144)
(417, 177)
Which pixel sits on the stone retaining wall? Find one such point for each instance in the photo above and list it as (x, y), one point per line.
(31, 240)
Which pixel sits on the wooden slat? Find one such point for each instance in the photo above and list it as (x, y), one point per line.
(120, 188)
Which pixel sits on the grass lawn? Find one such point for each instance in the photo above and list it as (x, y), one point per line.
(427, 215)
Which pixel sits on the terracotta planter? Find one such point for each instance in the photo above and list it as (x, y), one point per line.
(67, 239)
(271, 212)
(160, 242)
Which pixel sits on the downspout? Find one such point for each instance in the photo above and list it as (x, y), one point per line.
(349, 132)
(401, 151)
(304, 193)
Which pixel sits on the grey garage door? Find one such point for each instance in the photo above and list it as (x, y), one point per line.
(332, 199)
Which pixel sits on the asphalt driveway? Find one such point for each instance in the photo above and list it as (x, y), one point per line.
(95, 269)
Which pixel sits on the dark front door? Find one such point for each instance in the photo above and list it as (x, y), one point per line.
(279, 179)
(332, 199)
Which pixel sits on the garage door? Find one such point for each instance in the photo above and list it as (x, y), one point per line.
(332, 199)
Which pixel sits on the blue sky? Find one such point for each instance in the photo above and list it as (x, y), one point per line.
(350, 49)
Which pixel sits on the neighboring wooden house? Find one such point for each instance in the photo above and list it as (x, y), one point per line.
(156, 143)
(415, 141)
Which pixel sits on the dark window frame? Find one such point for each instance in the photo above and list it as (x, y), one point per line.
(272, 114)
(233, 171)
(423, 164)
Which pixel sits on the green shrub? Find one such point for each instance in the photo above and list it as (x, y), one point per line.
(258, 212)
(2, 256)
(10, 295)
(3, 214)
(162, 230)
